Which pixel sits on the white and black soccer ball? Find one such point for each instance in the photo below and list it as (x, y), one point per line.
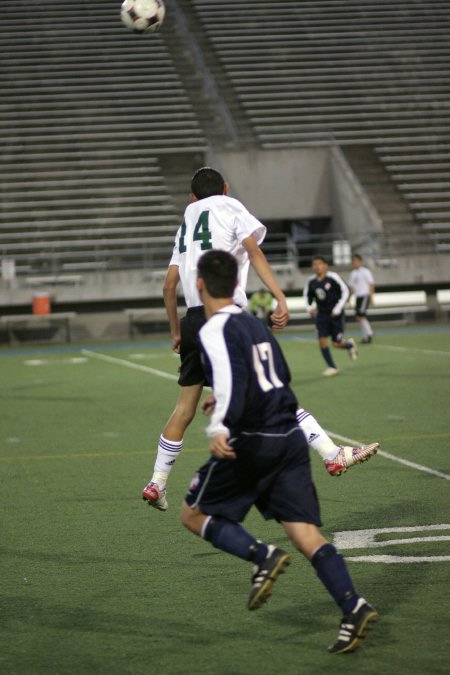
(143, 16)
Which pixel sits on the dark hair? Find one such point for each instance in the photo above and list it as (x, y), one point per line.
(207, 182)
(218, 269)
(357, 256)
(320, 257)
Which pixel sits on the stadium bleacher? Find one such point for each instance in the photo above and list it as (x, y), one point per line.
(86, 110)
(354, 73)
(101, 128)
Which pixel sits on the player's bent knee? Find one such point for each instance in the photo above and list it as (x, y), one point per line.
(306, 537)
(186, 515)
(192, 518)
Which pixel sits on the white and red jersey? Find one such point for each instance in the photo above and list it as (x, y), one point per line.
(217, 222)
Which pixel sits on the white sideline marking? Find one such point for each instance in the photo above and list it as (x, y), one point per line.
(129, 364)
(45, 362)
(169, 376)
(144, 357)
(433, 352)
(397, 558)
(394, 458)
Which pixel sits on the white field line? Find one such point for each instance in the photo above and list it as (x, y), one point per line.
(169, 376)
(129, 364)
(388, 559)
(388, 455)
(392, 348)
(432, 352)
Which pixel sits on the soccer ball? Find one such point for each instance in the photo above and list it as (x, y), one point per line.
(143, 16)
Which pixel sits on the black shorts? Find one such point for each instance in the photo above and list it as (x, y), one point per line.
(191, 369)
(362, 303)
(328, 325)
(271, 471)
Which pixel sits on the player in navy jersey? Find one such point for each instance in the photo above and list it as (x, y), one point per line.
(216, 221)
(325, 296)
(259, 455)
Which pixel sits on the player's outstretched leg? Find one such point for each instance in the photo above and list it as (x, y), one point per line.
(348, 456)
(337, 458)
(265, 574)
(354, 627)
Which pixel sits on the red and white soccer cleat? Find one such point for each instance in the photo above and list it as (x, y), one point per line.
(347, 457)
(155, 496)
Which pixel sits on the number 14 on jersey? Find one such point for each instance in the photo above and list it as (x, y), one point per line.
(201, 233)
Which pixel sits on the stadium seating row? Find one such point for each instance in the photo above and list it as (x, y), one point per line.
(88, 112)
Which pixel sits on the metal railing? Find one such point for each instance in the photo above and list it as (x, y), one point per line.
(279, 248)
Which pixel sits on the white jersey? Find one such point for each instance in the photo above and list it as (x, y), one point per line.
(217, 222)
(361, 280)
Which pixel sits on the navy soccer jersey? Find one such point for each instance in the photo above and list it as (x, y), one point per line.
(330, 293)
(249, 375)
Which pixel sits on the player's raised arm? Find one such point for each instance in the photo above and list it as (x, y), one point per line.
(262, 268)
(170, 300)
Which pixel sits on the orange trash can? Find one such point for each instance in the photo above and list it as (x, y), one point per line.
(41, 303)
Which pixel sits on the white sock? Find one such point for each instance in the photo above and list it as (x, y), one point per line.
(317, 438)
(168, 452)
(366, 328)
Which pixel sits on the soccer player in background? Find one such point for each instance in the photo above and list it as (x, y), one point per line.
(259, 455)
(260, 304)
(362, 284)
(216, 221)
(325, 297)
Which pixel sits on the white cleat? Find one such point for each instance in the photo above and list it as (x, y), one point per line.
(329, 372)
(352, 352)
(347, 457)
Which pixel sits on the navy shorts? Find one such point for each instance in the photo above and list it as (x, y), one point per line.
(271, 471)
(330, 326)
(191, 369)
(362, 303)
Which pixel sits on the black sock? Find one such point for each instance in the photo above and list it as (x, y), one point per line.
(232, 538)
(333, 573)
(327, 356)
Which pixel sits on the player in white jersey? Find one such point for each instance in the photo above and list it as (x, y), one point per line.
(215, 221)
(362, 284)
(218, 222)
(212, 220)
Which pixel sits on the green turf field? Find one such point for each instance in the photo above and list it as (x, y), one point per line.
(94, 582)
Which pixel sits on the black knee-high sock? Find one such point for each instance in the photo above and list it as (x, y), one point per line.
(333, 573)
(232, 538)
(327, 356)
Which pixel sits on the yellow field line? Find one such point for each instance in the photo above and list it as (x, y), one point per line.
(79, 455)
(76, 455)
(140, 453)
